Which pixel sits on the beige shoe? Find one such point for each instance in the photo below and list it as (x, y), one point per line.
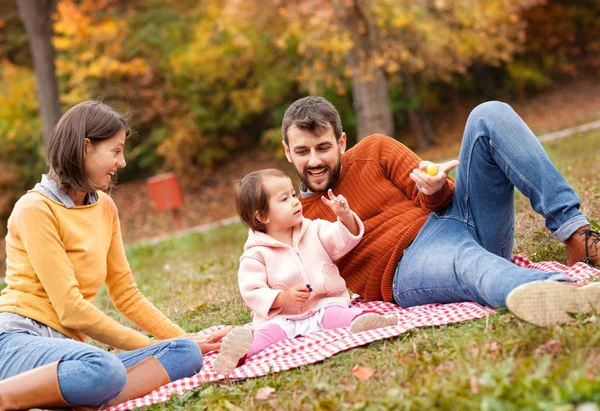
(235, 346)
(547, 303)
(371, 321)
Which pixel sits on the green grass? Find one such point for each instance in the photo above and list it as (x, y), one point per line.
(498, 363)
(578, 158)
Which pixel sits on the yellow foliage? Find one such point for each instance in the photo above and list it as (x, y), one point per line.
(21, 148)
(176, 149)
(401, 21)
(61, 43)
(248, 101)
(70, 21)
(19, 118)
(89, 47)
(237, 58)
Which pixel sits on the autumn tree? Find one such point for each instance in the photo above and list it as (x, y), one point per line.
(369, 85)
(335, 39)
(408, 42)
(563, 41)
(37, 19)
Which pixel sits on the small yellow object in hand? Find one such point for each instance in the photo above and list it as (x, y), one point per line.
(432, 169)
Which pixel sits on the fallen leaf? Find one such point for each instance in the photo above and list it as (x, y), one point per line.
(264, 393)
(363, 373)
(553, 346)
(476, 382)
(474, 385)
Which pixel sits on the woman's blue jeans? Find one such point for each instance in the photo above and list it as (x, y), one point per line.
(88, 375)
(463, 252)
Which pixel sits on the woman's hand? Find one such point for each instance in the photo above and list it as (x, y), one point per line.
(206, 344)
(210, 343)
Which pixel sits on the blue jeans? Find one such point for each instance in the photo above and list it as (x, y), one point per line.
(463, 252)
(88, 375)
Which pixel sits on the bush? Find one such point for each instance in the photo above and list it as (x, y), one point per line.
(21, 145)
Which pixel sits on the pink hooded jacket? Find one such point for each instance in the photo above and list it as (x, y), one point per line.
(269, 267)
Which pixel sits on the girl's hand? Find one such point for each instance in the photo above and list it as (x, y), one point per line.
(294, 296)
(338, 204)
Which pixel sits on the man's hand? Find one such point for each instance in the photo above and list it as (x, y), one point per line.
(294, 296)
(432, 184)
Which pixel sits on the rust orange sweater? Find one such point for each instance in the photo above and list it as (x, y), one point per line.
(375, 180)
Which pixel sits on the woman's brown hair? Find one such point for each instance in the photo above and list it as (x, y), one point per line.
(251, 197)
(93, 120)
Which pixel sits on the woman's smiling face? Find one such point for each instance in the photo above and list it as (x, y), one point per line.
(104, 158)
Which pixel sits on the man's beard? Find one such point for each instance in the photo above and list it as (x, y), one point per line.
(334, 177)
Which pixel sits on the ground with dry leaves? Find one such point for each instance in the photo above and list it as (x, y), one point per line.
(495, 363)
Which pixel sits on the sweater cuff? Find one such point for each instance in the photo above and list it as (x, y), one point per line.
(437, 199)
(359, 224)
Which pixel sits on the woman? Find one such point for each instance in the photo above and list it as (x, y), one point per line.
(63, 242)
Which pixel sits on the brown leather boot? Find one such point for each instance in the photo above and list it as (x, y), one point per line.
(584, 246)
(142, 378)
(33, 388)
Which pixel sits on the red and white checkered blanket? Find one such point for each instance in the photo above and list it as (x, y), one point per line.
(320, 345)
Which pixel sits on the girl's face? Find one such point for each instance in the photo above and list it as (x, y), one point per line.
(285, 210)
(103, 159)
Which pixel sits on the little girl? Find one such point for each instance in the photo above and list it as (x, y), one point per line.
(286, 273)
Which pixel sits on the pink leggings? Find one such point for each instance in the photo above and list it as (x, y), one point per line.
(335, 316)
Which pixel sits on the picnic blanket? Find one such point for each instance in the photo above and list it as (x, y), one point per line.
(320, 345)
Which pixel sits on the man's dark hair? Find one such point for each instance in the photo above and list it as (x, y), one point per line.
(314, 114)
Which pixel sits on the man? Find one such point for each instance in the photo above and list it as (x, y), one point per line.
(429, 239)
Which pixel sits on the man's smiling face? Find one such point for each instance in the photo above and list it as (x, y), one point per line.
(317, 159)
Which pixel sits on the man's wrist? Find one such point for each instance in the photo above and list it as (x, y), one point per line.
(430, 194)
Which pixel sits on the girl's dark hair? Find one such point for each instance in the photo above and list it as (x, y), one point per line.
(251, 196)
(65, 154)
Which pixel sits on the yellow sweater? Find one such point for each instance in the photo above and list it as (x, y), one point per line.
(57, 260)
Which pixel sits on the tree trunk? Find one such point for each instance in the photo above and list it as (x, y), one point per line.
(36, 15)
(371, 101)
(419, 121)
(370, 93)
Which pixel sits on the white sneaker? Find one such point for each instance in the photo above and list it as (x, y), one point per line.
(371, 321)
(235, 346)
(547, 303)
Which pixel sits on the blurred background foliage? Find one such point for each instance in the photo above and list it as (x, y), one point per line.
(204, 79)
